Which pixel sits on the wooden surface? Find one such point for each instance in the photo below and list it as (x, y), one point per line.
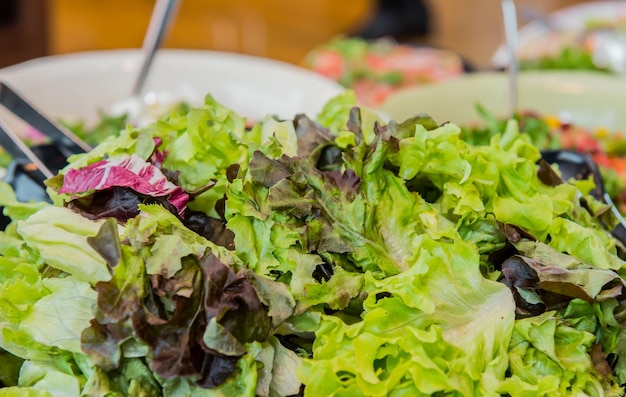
(23, 36)
(280, 29)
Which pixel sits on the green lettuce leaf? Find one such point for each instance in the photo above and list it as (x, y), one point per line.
(58, 318)
(60, 237)
(14, 209)
(48, 378)
(421, 333)
(551, 357)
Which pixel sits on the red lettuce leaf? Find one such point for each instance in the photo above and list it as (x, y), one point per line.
(231, 298)
(173, 317)
(120, 203)
(102, 342)
(210, 228)
(543, 285)
(173, 341)
(107, 242)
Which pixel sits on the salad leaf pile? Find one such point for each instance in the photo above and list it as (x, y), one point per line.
(341, 256)
(547, 132)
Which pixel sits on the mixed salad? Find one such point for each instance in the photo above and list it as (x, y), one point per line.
(376, 68)
(606, 148)
(342, 256)
(600, 45)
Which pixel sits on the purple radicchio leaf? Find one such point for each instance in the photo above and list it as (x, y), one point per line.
(132, 172)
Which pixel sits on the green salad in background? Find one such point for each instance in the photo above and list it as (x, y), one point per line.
(341, 256)
(597, 44)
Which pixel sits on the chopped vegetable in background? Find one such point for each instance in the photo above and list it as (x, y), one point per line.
(577, 48)
(376, 68)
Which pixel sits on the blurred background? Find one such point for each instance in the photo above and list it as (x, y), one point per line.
(280, 29)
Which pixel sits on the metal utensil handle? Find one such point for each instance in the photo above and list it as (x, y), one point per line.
(159, 22)
(509, 17)
(18, 150)
(67, 142)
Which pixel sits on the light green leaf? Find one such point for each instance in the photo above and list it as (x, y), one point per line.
(59, 318)
(60, 236)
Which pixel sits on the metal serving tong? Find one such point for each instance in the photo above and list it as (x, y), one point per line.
(31, 166)
(581, 166)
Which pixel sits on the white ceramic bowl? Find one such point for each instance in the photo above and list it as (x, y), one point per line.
(76, 86)
(588, 99)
